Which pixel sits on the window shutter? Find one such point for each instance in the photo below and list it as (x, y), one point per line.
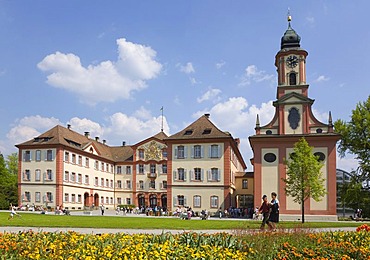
(192, 151)
(201, 151)
(185, 152)
(209, 151)
(185, 201)
(137, 168)
(176, 152)
(191, 172)
(146, 168)
(159, 169)
(218, 174)
(30, 156)
(174, 201)
(44, 176)
(52, 176)
(202, 175)
(185, 174)
(51, 197)
(219, 151)
(209, 177)
(175, 175)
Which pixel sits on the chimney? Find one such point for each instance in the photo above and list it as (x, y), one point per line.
(97, 138)
(87, 134)
(104, 141)
(123, 143)
(69, 126)
(207, 115)
(237, 141)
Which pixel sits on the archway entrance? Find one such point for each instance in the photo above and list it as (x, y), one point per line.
(86, 199)
(141, 200)
(96, 200)
(164, 201)
(153, 200)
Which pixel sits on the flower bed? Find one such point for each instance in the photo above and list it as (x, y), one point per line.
(297, 244)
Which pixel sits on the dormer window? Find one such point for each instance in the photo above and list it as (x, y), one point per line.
(188, 132)
(207, 131)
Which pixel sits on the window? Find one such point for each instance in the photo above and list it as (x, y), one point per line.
(66, 176)
(164, 153)
(66, 156)
(111, 183)
(73, 158)
(292, 79)
(188, 132)
(164, 185)
(26, 175)
(27, 196)
(244, 184)
(96, 165)
(128, 201)
(141, 185)
(79, 198)
(119, 169)
(111, 200)
(152, 184)
(128, 184)
(79, 178)
(141, 154)
(86, 179)
(181, 174)
(106, 183)
(153, 168)
(180, 152)
(107, 200)
(119, 201)
(197, 176)
(96, 181)
(141, 168)
(102, 167)
(37, 196)
(214, 202)
(73, 177)
(269, 157)
(196, 201)
(49, 155)
(49, 175)
(197, 151)
(27, 156)
(87, 162)
(66, 197)
(119, 184)
(128, 169)
(49, 197)
(79, 160)
(38, 175)
(38, 155)
(102, 200)
(181, 200)
(164, 168)
(214, 151)
(214, 175)
(102, 182)
(207, 131)
(73, 198)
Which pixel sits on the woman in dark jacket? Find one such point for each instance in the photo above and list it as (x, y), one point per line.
(274, 214)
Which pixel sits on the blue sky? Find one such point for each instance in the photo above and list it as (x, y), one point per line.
(109, 66)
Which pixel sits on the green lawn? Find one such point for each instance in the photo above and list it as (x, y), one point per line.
(39, 220)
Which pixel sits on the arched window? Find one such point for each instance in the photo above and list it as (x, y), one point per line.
(292, 79)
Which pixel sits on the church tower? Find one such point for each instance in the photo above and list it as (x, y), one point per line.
(293, 119)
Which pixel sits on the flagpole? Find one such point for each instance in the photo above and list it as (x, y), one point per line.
(162, 119)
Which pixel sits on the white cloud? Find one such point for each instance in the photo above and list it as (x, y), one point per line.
(107, 81)
(347, 163)
(29, 127)
(188, 68)
(322, 78)
(220, 64)
(310, 19)
(252, 74)
(322, 117)
(212, 93)
(82, 125)
(143, 113)
(193, 81)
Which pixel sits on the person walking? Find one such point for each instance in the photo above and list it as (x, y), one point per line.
(13, 212)
(274, 214)
(265, 210)
(102, 209)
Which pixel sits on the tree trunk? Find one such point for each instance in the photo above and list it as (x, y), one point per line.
(302, 211)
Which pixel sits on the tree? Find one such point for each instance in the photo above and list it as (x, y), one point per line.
(8, 185)
(12, 163)
(356, 137)
(304, 179)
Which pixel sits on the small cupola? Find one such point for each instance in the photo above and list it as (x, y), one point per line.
(290, 38)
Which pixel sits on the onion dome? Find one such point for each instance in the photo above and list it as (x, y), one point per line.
(290, 38)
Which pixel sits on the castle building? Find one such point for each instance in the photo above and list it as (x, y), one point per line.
(293, 119)
(195, 167)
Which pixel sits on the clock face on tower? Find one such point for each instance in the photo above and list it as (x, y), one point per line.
(292, 61)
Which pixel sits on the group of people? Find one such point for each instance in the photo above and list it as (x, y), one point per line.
(270, 212)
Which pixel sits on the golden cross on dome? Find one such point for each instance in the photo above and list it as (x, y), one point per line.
(289, 16)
